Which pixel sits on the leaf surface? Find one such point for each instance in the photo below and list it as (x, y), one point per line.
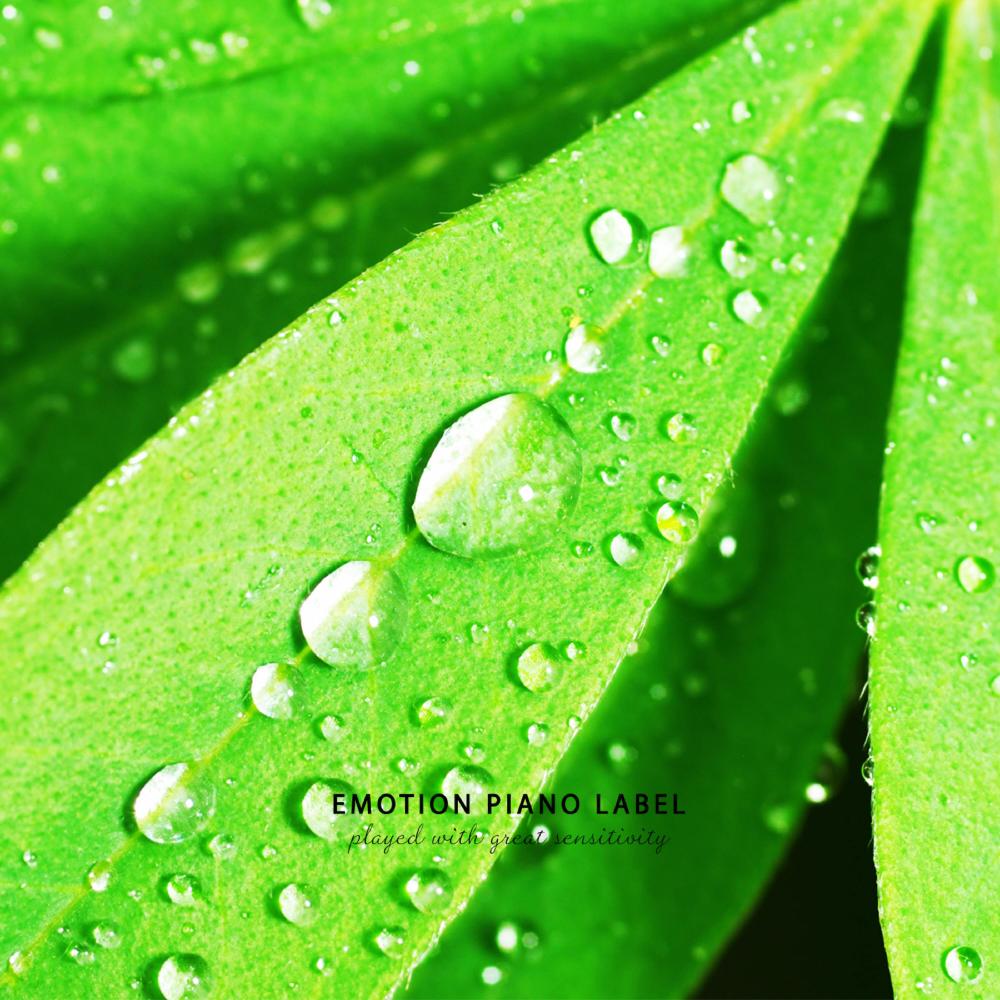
(934, 687)
(187, 568)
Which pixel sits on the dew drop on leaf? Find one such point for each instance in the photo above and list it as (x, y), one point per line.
(271, 690)
(106, 935)
(712, 354)
(669, 485)
(317, 808)
(468, 782)
(222, 846)
(99, 876)
(80, 954)
(748, 307)
(331, 728)
(500, 480)
(974, 574)
(182, 889)
(625, 549)
(680, 427)
(622, 425)
(962, 964)
(355, 616)
(390, 941)
(183, 977)
(618, 238)
(298, 904)
(677, 522)
(669, 250)
(429, 890)
(314, 13)
(867, 566)
(868, 772)
(865, 618)
(170, 808)
(584, 349)
(740, 111)
(539, 667)
(753, 187)
(536, 733)
(829, 775)
(737, 258)
(431, 711)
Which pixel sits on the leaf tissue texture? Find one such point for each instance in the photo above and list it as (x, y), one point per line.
(935, 687)
(183, 573)
(252, 199)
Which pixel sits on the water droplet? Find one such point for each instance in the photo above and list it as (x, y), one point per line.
(737, 258)
(391, 941)
(740, 111)
(183, 889)
(536, 734)
(868, 772)
(843, 109)
(829, 775)
(183, 977)
(584, 350)
(99, 876)
(491, 975)
(134, 361)
(106, 935)
(499, 480)
(680, 427)
(995, 685)
(622, 425)
(865, 618)
(669, 485)
(222, 846)
(200, 283)
(80, 953)
(30, 859)
(867, 566)
(17, 963)
(170, 808)
(660, 344)
(753, 187)
(317, 808)
(315, 14)
(331, 727)
(431, 711)
(669, 250)
(712, 354)
(618, 238)
(355, 616)
(962, 964)
(927, 523)
(748, 307)
(539, 667)
(298, 904)
(271, 690)
(471, 783)
(625, 549)
(974, 574)
(677, 522)
(429, 890)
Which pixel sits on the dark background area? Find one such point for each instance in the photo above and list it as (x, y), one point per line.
(815, 932)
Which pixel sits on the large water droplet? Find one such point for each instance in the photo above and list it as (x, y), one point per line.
(584, 349)
(539, 667)
(963, 964)
(429, 890)
(317, 808)
(470, 783)
(355, 616)
(499, 480)
(668, 252)
(171, 808)
(183, 977)
(618, 238)
(298, 904)
(753, 186)
(974, 574)
(271, 690)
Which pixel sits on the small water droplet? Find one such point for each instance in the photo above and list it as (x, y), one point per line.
(391, 941)
(355, 616)
(183, 889)
(501, 477)
(99, 876)
(737, 258)
(584, 349)
(974, 574)
(748, 307)
(315, 14)
(106, 935)
(271, 690)
(622, 425)
(660, 344)
(829, 775)
(669, 251)
(962, 964)
(536, 734)
(79, 953)
(471, 784)
(867, 566)
(222, 846)
(431, 711)
(677, 522)
(625, 549)
(753, 186)
(618, 238)
(183, 977)
(927, 523)
(712, 354)
(171, 808)
(680, 427)
(331, 728)
(318, 808)
(298, 904)
(868, 772)
(843, 109)
(740, 111)
(429, 890)
(865, 618)
(539, 667)
(669, 485)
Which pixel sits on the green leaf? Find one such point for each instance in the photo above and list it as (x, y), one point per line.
(185, 571)
(738, 681)
(934, 687)
(271, 223)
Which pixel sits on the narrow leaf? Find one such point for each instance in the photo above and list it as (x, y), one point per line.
(934, 680)
(186, 571)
